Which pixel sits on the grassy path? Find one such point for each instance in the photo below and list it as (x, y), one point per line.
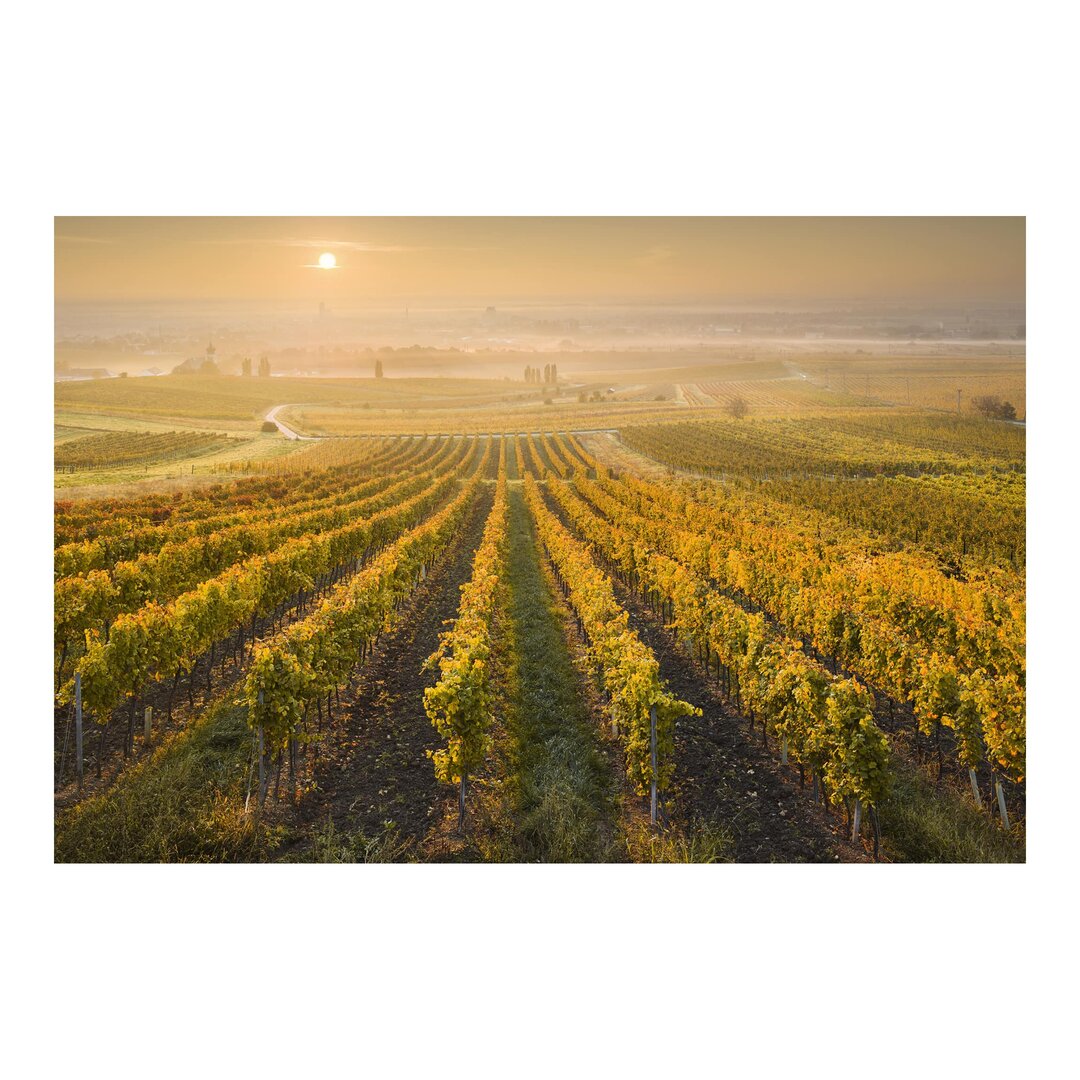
(561, 793)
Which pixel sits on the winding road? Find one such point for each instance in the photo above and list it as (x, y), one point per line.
(283, 427)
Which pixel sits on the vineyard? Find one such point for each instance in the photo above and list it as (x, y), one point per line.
(796, 639)
(112, 449)
(845, 445)
(781, 394)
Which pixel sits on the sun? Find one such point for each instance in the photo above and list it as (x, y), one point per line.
(327, 261)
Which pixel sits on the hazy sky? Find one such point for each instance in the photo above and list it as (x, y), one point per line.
(484, 260)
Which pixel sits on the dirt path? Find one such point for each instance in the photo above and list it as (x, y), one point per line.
(284, 428)
(374, 769)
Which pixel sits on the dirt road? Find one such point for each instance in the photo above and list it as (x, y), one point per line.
(283, 427)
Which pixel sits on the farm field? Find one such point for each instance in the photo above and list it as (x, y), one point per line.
(924, 381)
(790, 639)
(593, 392)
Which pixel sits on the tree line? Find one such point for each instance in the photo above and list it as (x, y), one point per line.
(549, 375)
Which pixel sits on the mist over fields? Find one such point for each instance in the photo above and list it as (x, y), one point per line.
(487, 340)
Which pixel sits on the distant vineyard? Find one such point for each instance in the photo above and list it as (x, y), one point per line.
(114, 449)
(760, 395)
(329, 453)
(844, 445)
(929, 382)
(983, 517)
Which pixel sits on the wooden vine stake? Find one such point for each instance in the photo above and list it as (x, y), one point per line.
(148, 723)
(652, 759)
(975, 787)
(78, 731)
(856, 823)
(1001, 805)
(262, 765)
(783, 751)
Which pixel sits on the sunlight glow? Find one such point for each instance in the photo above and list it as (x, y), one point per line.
(327, 261)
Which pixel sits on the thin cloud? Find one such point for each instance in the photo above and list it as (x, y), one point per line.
(64, 238)
(349, 245)
(340, 245)
(655, 256)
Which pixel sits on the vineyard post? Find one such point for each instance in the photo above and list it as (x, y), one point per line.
(652, 759)
(975, 787)
(262, 762)
(78, 730)
(148, 722)
(856, 824)
(783, 751)
(1001, 805)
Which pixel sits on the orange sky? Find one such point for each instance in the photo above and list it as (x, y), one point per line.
(489, 259)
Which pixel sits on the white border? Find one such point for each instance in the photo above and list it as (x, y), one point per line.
(560, 108)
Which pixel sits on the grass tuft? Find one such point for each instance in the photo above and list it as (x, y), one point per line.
(185, 803)
(705, 842)
(331, 846)
(919, 825)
